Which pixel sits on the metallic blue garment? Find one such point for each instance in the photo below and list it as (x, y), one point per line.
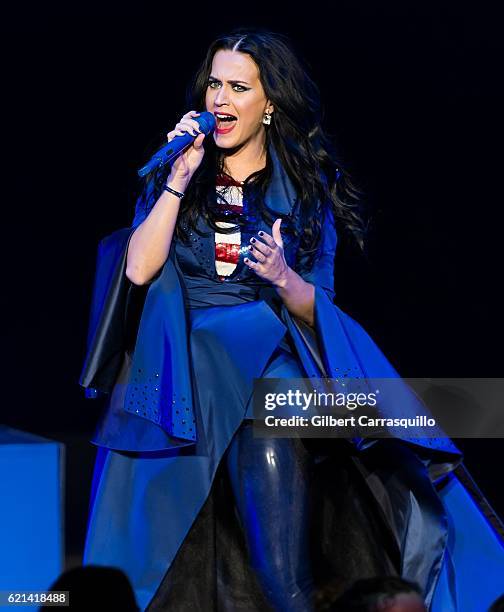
(179, 358)
(145, 503)
(279, 548)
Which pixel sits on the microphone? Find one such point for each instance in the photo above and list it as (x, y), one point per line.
(172, 149)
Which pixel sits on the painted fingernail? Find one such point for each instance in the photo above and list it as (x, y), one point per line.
(252, 240)
(246, 260)
(261, 233)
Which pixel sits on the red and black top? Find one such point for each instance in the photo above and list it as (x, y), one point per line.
(227, 246)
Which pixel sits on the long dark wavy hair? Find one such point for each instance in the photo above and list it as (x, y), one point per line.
(308, 156)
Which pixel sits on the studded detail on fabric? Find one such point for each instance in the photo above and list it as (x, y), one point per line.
(352, 372)
(146, 399)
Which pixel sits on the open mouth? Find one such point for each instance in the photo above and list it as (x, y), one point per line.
(225, 122)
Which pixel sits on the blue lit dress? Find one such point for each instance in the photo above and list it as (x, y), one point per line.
(183, 391)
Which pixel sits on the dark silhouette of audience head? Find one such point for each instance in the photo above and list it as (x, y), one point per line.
(498, 605)
(93, 587)
(381, 594)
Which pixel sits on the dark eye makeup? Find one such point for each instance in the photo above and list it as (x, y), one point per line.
(212, 82)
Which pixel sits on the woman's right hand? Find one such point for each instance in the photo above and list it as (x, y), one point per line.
(186, 164)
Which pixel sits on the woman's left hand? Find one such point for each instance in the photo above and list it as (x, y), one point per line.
(268, 250)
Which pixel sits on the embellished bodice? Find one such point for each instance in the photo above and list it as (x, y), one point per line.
(212, 263)
(228, 246)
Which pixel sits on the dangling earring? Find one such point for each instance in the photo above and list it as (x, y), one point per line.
(267, 118)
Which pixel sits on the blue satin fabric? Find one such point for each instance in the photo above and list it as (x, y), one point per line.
(208, 340)
(472, 575)
(143, 504)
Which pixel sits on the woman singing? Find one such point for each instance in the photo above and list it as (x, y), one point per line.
(226, 276)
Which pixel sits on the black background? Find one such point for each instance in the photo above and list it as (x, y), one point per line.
(413, 92)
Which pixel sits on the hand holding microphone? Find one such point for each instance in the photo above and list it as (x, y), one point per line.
(186, 164)
(185, 145)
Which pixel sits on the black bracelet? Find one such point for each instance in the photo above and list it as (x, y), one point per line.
(177, 193)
